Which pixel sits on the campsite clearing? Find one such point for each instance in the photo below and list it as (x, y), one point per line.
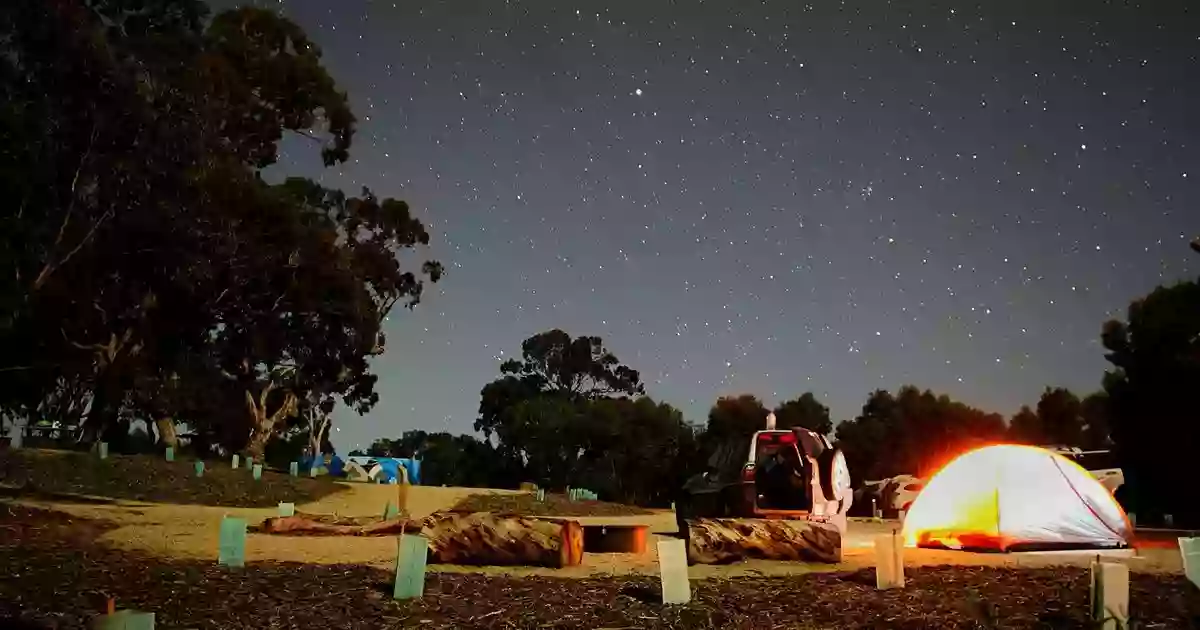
(161, 556)
(190, 532)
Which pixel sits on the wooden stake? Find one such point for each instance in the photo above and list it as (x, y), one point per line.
(1110, 595)
(1189, 548)
(411, 554)
(231, 550)
(889, 561)
(402, 498)
(673, 572)
(124, 620)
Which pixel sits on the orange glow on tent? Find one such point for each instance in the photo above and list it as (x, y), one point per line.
(1010, 496)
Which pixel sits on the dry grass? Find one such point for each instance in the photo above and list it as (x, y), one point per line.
(55, 474)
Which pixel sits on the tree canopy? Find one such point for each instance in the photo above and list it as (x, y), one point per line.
(156, 273)
(735, 416)
(804, 411)
(570, 413)
(912, 432)
(1155, 357)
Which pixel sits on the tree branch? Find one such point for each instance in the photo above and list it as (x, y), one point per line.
(50, 265)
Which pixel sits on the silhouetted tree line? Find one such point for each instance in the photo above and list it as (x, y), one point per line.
(150, 271)
(568, 413)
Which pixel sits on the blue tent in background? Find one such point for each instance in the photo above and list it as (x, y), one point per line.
(335, 468)
(389, 468)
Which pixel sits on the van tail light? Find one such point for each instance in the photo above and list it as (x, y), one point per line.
(748, 473)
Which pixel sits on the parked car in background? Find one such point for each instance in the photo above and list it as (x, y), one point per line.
(901, 491)
(769, 474)
(1102, 464)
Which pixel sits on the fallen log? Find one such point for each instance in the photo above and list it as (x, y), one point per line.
(304, 525)
(480, 538)
(724, 540)
(484, 538)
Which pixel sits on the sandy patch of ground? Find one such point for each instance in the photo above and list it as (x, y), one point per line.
(190, 532)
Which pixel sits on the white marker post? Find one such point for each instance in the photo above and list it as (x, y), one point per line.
(889, 561)
(1110, 595)
(673, 572)
(1189, 548)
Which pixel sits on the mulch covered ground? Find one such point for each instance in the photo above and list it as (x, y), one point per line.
(527, 504)
(46, 473)
(54, 573)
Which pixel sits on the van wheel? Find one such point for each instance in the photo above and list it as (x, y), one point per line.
(835, 474)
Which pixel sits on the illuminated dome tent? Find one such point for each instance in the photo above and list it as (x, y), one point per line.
(1010, 497)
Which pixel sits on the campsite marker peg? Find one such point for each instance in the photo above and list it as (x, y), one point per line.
(287, 509)
(402, 496)
(411, 552)
(1110, 594)
(170, 453)
(199, 466)
(124, 620)
(102, 450)
(889, 561)
(231, 549)
(257, 472)
(673, 572)
(236, 462)
(1189, 549)
(294, 469)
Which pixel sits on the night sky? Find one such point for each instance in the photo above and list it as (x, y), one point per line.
(770, 197)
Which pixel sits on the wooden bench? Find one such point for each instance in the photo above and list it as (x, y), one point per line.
(615, 538)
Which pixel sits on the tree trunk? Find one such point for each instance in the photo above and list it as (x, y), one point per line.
(262, 424)
(481, 538)
(167, 435)
(723, 540)
(100, 415)
(318, 426)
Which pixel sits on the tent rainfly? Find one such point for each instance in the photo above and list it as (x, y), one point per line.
(1010, 497)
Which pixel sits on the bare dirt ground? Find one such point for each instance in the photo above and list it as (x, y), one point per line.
(190, 532)
(56, 575)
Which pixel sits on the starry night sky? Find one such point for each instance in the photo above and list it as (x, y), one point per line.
(769, 197)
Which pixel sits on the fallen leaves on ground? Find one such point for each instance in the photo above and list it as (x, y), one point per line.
(53, 573)
(527, 504)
